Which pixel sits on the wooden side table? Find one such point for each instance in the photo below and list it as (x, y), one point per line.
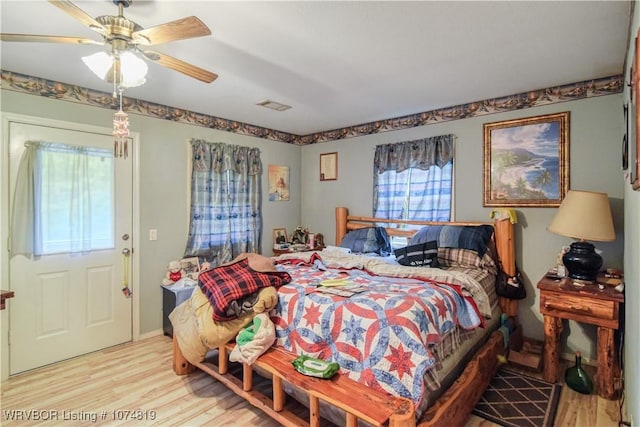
(560, 299)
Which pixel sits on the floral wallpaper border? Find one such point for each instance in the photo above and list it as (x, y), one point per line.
(586, 89)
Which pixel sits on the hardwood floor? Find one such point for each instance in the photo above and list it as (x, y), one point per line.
(133, 384)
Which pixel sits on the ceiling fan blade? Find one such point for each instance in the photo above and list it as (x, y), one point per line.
(6, 37)
(179, 29)
(180, 66)
(79, 14)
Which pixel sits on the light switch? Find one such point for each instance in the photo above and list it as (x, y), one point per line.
(153, 234)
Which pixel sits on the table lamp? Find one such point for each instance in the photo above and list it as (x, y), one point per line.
(583, 215)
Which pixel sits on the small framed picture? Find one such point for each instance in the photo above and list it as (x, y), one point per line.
(190, 266)
(329, 166)
(279, 235)
(278, 183)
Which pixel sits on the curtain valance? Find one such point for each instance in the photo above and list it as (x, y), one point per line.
(220, 157)
(420, 153)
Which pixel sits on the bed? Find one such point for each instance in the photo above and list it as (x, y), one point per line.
(421, 343)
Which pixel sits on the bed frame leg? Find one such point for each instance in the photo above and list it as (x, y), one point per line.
(278, 394)
(180, 365)
(405, 416)
(223, 358)
(314, 411)
(247, 377)
(352, 420)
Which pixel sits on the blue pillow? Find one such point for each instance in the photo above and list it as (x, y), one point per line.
(475, 238)
(420, 255)
(368, 240)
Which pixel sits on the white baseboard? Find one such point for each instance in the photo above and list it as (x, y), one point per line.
(149, 335)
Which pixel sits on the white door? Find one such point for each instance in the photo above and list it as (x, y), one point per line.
(71, 303)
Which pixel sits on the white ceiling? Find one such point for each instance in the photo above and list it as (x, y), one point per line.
(340, 63)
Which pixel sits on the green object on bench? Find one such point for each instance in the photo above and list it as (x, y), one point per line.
(315, 367)
(247, 333)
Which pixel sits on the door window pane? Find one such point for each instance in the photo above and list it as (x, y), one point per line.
(76, 199)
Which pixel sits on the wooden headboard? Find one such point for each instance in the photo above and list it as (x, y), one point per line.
(503, 237)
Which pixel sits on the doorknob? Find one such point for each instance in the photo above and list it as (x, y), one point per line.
(126, 252)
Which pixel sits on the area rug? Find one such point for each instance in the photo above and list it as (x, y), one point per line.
(514, 399)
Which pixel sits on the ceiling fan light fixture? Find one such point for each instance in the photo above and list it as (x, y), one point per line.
(100, 63)
(133, 69)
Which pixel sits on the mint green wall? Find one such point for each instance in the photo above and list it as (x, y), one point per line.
(164, 173)
(595, 138)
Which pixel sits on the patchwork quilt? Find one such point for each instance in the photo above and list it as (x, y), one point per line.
(378, 328)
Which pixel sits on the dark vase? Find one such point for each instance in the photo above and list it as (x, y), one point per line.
(582, 261)
(577, 379)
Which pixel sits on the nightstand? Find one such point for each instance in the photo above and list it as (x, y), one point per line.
(171, 298)
(560, 299)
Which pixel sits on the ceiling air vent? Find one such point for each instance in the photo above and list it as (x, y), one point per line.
(273, 105)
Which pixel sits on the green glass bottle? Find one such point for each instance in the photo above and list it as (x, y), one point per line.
(577, 379)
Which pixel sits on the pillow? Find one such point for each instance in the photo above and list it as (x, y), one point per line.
(368, 240)
(475, 238)
(420, 255)
(465, 258)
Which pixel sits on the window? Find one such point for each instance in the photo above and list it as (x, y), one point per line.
(226, 204)
(76, 203)
(416, 194)
(413, 180)
(64, 200)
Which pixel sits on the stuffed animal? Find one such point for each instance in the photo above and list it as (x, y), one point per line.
(174, 273)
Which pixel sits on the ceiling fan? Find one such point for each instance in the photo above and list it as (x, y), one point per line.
(122, 35)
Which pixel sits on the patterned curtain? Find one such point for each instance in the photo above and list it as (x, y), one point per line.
(412, 179)
(226, 217)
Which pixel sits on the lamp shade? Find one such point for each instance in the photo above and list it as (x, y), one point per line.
(584, 215)
(99, 63)
(134, 70)
(129, 71)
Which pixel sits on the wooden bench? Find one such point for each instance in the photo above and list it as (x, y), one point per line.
(358, 401)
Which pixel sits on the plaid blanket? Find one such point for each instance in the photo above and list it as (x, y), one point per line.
(226, 284)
